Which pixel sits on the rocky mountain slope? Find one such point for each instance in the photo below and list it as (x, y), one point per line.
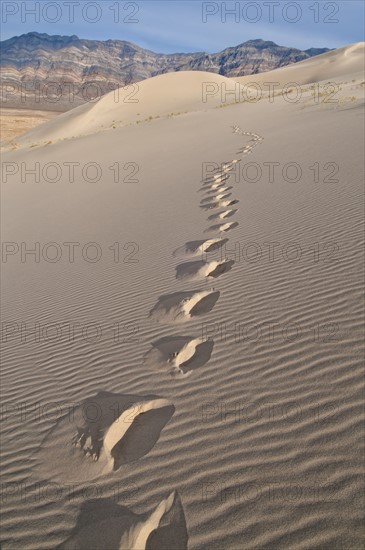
(60, 72)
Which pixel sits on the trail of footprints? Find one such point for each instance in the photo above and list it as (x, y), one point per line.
(181, 355)
(112, 430)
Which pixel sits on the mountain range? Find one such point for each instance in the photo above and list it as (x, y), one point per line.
(60, 72)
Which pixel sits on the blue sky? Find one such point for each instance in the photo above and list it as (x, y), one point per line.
(174, 26)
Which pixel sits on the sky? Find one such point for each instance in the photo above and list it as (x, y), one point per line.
(191, 25)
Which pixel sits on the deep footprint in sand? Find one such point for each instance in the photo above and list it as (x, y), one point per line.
(223, 215)
(217, 185)
(222, 227)
(245, 150)
(213, 185)
(220, 195)
(219, 204)
(228, 202)
(219, 190)
(179, 356)
(182, 306)
(199, 248)
(216, 178)
(228, 167)
(201, 269)
(103, 433)
(106, 525)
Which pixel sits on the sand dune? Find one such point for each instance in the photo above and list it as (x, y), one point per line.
(165, 95)
(336, 64)
(162, 95)
(253, 412)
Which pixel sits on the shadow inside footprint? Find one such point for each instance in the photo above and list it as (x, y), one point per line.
(221, 203)
(172, 532)
(207, 199)
(214, 185)
(223, 227)
(194, 248)
(223, 215)
(178, 355)
(223, 196)
(205, 305)
(228, 202)
(100, 434)
(104, 525)
(210, 205)
(182, 306)
(141, 436)
(222, 189)
(217, 176)
(217, 197)
(222, 268)
(201, 269)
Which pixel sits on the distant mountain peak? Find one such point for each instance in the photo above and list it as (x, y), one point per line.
(111, 63)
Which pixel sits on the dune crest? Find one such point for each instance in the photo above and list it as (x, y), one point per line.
(162, 96)
(335, 64)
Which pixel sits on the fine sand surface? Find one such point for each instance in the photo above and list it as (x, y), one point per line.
(199, 384)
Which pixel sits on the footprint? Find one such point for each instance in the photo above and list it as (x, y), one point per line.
(219, 204)
(196, 248)
(220, 196)
(105, 525)
(223, 215)
(182, 306)
(179, 356)
(201, 269)
(222, 189)
(227, 167)
(228, 202)
(212, 186)
(103, 433)
(207, 200)
(217, 178)
(222, 227)
(127, 442)
(217, 185)
(210, 205)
